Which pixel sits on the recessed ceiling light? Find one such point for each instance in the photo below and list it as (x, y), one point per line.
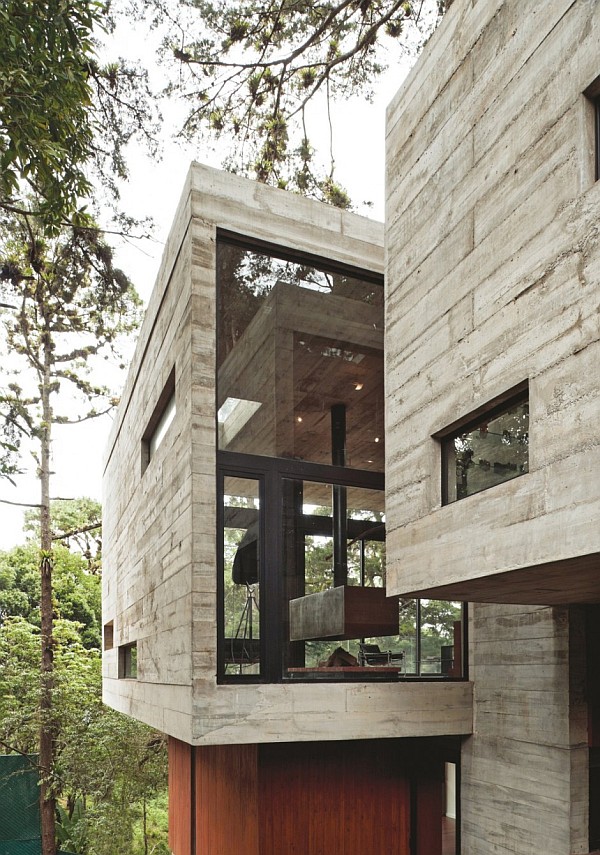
(358, 386)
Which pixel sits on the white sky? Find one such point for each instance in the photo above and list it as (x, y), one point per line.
(153, 190)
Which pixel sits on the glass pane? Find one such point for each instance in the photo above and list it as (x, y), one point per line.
(328, 530)
(241, 597)
(294, 342)
(494, 451)
(441, 638)
(407, 639)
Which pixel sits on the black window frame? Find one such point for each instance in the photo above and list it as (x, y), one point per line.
(514, 396)
(271, 473)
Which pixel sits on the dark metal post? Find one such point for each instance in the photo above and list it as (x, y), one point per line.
(339, 500)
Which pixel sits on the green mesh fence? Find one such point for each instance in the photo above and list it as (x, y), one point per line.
(19, 806)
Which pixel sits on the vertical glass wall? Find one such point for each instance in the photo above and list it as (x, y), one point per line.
(431, 637)
(240, 616)
(294, 340)
(300, 404)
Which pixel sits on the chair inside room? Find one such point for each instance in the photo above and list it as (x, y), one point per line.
(371, 654)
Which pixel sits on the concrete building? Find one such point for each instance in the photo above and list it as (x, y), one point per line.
(245, 578)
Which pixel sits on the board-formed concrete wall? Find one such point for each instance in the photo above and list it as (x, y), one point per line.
(160, 559)
(492, 280)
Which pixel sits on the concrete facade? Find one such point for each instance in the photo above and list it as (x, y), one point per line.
(160, 577)
(492, 280)
(492, 241)
(492, 276)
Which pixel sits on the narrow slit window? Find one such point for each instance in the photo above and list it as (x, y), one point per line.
(109, 630)
(160, 421)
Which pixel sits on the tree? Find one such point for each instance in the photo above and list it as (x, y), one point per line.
(45, 129)
(107, 766)
(75, 522)
(74, 304)
(61, 111)
(76, 592)
(249, 69)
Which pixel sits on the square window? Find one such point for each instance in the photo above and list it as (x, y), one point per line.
(488, 448)
(128, 661)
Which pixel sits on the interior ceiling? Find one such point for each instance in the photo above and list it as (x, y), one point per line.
(330, 372)
(567, 582)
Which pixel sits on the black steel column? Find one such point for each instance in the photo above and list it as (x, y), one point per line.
(339, 500)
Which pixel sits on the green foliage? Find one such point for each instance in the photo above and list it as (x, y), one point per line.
(250, 70)
(109, 769)
(76, 592)
(61, 111)
(73, 304)
(77, 523)
(45, 94)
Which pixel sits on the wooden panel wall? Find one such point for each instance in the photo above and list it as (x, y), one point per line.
(226, 800)
(334, 798)
(180, 797)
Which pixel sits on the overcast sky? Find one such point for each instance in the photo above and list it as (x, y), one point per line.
(153, 190)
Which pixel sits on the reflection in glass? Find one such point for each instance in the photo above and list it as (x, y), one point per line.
(241, 601)
(295, 340)
(440, 642)
(309, 533)
(431, 637)
(491, 452)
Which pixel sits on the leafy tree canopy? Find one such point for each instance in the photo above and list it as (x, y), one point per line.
(76, 592)
(45, 94)
(61, 111)
(248, 70)
(107, 765)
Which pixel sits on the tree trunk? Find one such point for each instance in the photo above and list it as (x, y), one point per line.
(47, 723)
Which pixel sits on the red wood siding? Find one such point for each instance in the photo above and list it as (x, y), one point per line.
(226, 800)
(180, 797)
(336, 798)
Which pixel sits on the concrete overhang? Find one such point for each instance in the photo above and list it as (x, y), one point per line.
(564, 582)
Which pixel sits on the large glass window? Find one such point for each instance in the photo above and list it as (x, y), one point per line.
(296, 339)
(301, 458)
